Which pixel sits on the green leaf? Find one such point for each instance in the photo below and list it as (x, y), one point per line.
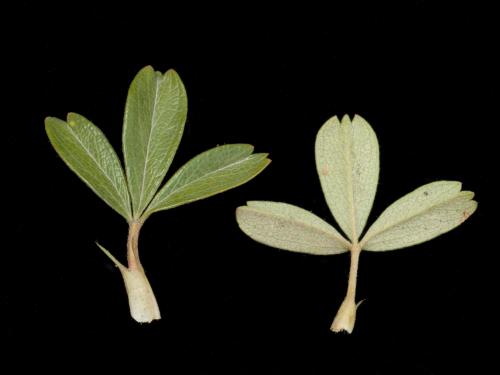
(211, 172)
(289, 227)
(154, 122)
(419, 216)
(85, 149)
(347, 160)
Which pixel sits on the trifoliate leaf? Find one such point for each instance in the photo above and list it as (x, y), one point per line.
(212, 172)
(421, 215)
(153, 125)
(347, 160)
(289, 227)
(85, 149)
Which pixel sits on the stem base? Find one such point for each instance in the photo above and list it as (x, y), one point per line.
(346, 317)
(141, 299)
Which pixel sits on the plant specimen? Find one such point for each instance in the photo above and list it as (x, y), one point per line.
(347, 161)
(155, 114)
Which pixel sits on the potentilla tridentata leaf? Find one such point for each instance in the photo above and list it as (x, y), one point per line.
(154, 122)
(347, 161)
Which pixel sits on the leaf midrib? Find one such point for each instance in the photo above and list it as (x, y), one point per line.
(153, 126)
(350, 184)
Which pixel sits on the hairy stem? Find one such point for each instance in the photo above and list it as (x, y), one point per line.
(134, 262)
(346, 315)
(353, 272)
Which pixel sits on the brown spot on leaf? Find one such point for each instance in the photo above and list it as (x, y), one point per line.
(465, 215)
(324, 170)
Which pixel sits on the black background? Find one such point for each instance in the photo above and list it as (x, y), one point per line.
(421, 74)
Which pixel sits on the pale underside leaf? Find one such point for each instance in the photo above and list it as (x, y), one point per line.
(289, 227)
(85, 149)
(419, 216)
(212, 172)
(347, 160)
(153, 125)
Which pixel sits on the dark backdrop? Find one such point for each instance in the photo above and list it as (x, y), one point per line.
(421, 74)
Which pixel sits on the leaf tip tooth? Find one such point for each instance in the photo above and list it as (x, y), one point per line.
(263, 158)
(250, 148)
(47, 120)
(329, 125)
(360, 120)
(238, 212)
(452, 184)
(71, 118)
(251, 204)
(334, 120)
(346, 119)
(172, 72)
(51, 123)
(474, 206)
(470, 194)
(148, 69)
